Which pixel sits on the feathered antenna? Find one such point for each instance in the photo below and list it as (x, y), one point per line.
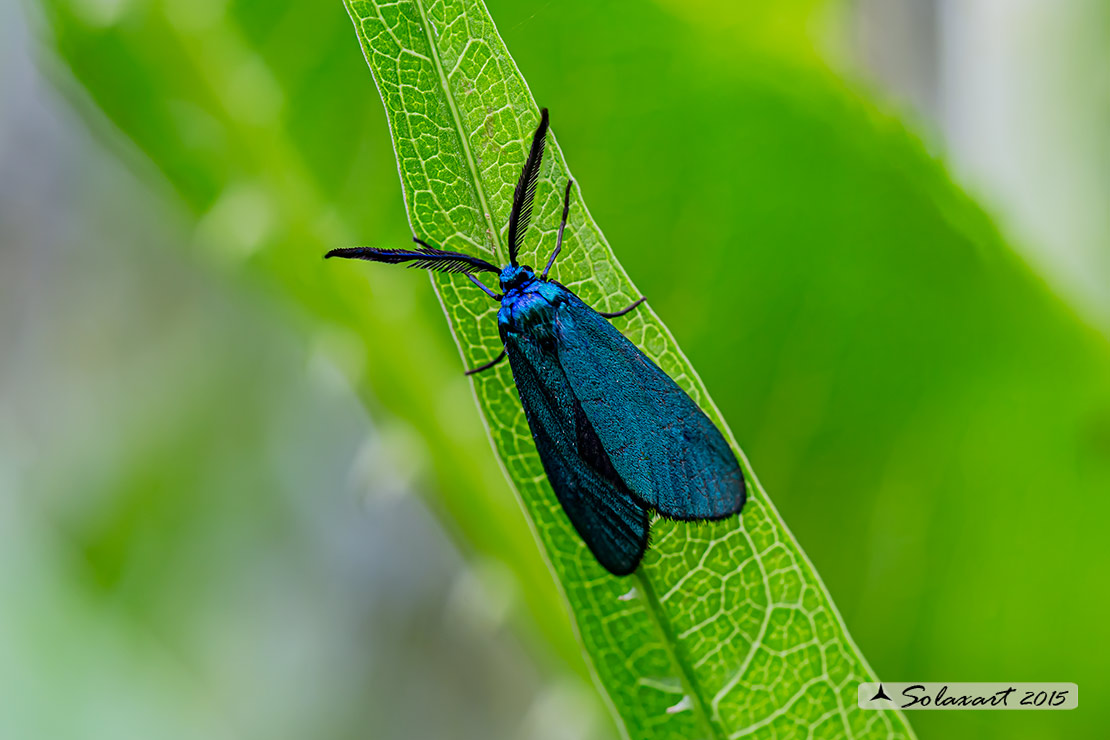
(526, 190)
(426, 257)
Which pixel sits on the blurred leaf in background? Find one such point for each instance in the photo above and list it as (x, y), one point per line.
(931, 420)
(201, 534)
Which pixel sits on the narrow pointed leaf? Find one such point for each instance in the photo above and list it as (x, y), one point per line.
(726, 630)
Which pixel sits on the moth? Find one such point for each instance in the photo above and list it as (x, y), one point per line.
(618, 439)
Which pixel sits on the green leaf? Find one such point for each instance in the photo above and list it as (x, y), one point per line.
(726, 630)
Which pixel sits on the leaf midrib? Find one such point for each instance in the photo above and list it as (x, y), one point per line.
(464, 143)
(690, 686)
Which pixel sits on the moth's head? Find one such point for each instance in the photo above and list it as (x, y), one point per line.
(513, 276)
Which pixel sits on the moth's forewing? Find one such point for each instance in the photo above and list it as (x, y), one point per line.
(662, 445)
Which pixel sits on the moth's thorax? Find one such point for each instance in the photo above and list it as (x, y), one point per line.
(513, 276)
(528, 302)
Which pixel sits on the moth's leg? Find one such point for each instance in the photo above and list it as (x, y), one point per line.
(623, 311)
(488, 365)
(562, 228)
(480, 284)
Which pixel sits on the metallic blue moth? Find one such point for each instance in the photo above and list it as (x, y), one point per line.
(617, 437)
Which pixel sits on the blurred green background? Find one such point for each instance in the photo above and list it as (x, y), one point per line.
(246, 495)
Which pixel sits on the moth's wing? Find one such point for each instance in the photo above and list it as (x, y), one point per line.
(663, 446)
(611, 521)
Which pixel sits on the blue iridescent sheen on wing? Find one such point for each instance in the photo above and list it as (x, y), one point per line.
(663, 446)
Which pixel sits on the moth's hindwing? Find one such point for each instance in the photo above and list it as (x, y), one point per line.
(610, 520)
